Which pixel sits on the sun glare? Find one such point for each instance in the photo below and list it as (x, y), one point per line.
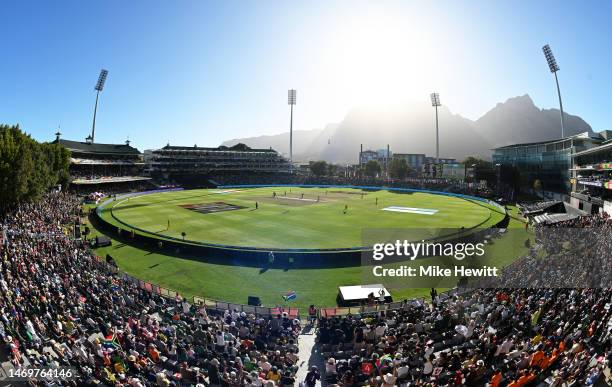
(378, 60)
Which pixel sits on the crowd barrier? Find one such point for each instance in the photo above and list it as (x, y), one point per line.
(364, 310)
(210, 304)
(263, 311)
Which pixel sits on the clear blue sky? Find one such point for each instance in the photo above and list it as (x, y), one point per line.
(206, 71)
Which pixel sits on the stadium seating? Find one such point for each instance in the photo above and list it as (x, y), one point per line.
(60, 306)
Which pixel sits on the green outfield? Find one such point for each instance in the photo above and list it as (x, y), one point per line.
(282, 217)
(284, 222)
(235, 283)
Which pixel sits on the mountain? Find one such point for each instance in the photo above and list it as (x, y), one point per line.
(411, 129)
(306, 143)
(519, 120)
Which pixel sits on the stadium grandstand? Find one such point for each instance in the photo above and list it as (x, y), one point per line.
(591, 179)
(200, 166)
(62, 307)
(103, 167)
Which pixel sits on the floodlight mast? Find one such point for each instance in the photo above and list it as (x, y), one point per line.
(552, 65)
(292, 98)
(435, 102)
(98, 88)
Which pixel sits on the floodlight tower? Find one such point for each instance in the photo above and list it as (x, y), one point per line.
(98, 89)
(435, 102)
(552, 65)
(292, 95)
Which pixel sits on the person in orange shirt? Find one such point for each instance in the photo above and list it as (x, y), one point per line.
(537, 358)
(496, 378)
(523, 380)
(154, 353)
(554, 356)
(545, 362)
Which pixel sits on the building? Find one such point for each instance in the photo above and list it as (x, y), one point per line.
(367, 155)
(414, 160)
(94, 164)
(591, 177)
(441, 160)
(548, 162)
(381, 155)
(192, 163)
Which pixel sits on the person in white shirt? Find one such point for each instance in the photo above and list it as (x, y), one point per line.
(220, 340)
(330, 366)
(380, 330)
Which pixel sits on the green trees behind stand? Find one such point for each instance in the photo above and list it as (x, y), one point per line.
(27, 167)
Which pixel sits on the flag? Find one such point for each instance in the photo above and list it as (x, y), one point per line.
(290, 296)
(110, 341)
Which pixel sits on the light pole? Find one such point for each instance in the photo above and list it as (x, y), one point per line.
(98, 88)
(435, 102)
(292, 95)
(552, 65)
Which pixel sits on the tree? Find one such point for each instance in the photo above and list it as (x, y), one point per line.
(476, 163)
(331, 169)
(372, 168)
(27, 167)
(318, 168)
(398, 168)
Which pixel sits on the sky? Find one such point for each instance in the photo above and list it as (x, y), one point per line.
(202, 72)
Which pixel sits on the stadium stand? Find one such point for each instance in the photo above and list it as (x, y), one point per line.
(104, 167)
(579, 256)
(61, 306)
(197, 165)
(537, 207)
(500, 337)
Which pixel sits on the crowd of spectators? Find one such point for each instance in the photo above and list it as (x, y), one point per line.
(447, 185)
(511, 338)
(61, 307)
(115, 188)
(575, 253)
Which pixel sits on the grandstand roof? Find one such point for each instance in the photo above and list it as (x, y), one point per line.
(237, 148)
(602, 148)
(97, 148)
(579, 135)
